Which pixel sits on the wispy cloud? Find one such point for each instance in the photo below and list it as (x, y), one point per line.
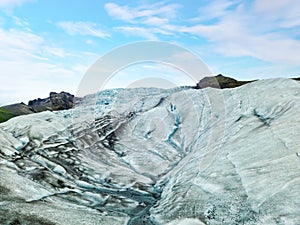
(215, 9)
(14, 40)
(156, 13)
(10, 4)
(155, 21)
(54, 51)
(83, 28)
(138, 32)
(149, 33)
(17, 44)
(234, 28)
(251, 30)
(119, 12)
(32, 67)
(146, 21)
(284, 13)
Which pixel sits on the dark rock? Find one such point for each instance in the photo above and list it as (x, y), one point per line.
(40, 105)
(220, 82)
(56, 101)
(61, 101)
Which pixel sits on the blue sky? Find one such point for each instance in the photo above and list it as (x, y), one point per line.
(48, 45)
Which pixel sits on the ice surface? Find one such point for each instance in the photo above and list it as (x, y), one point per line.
(153, 156)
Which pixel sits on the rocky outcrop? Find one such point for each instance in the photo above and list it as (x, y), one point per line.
(61, 101)
(40, 105)
(162, 157)
(221, 82)
(56, 101)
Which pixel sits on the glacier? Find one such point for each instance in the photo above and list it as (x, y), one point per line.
(157, 156)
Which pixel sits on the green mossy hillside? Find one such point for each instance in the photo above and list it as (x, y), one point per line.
(5, 115)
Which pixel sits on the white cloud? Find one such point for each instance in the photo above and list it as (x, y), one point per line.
(31, 68)
(258, 29)
(243, 32)
(156, 21)
(83, 28)
(145, 21)
(138, 32)
(237, 41)
(26, 79)
(276, 6)
(18, 39)
(158, 12)
(215, 9)
(119, 12)
(9, 4)
(59, 52)
(90, 42)
(147, 33)
(147, 74)
(21, 23)
(283, 13)
(17, 44)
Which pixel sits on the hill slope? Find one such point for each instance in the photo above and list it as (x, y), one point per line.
(6, 114)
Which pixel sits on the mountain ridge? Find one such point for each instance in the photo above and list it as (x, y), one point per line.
(55, 102)
(65, 100)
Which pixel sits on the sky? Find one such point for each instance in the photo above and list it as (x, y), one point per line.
(48, 45)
